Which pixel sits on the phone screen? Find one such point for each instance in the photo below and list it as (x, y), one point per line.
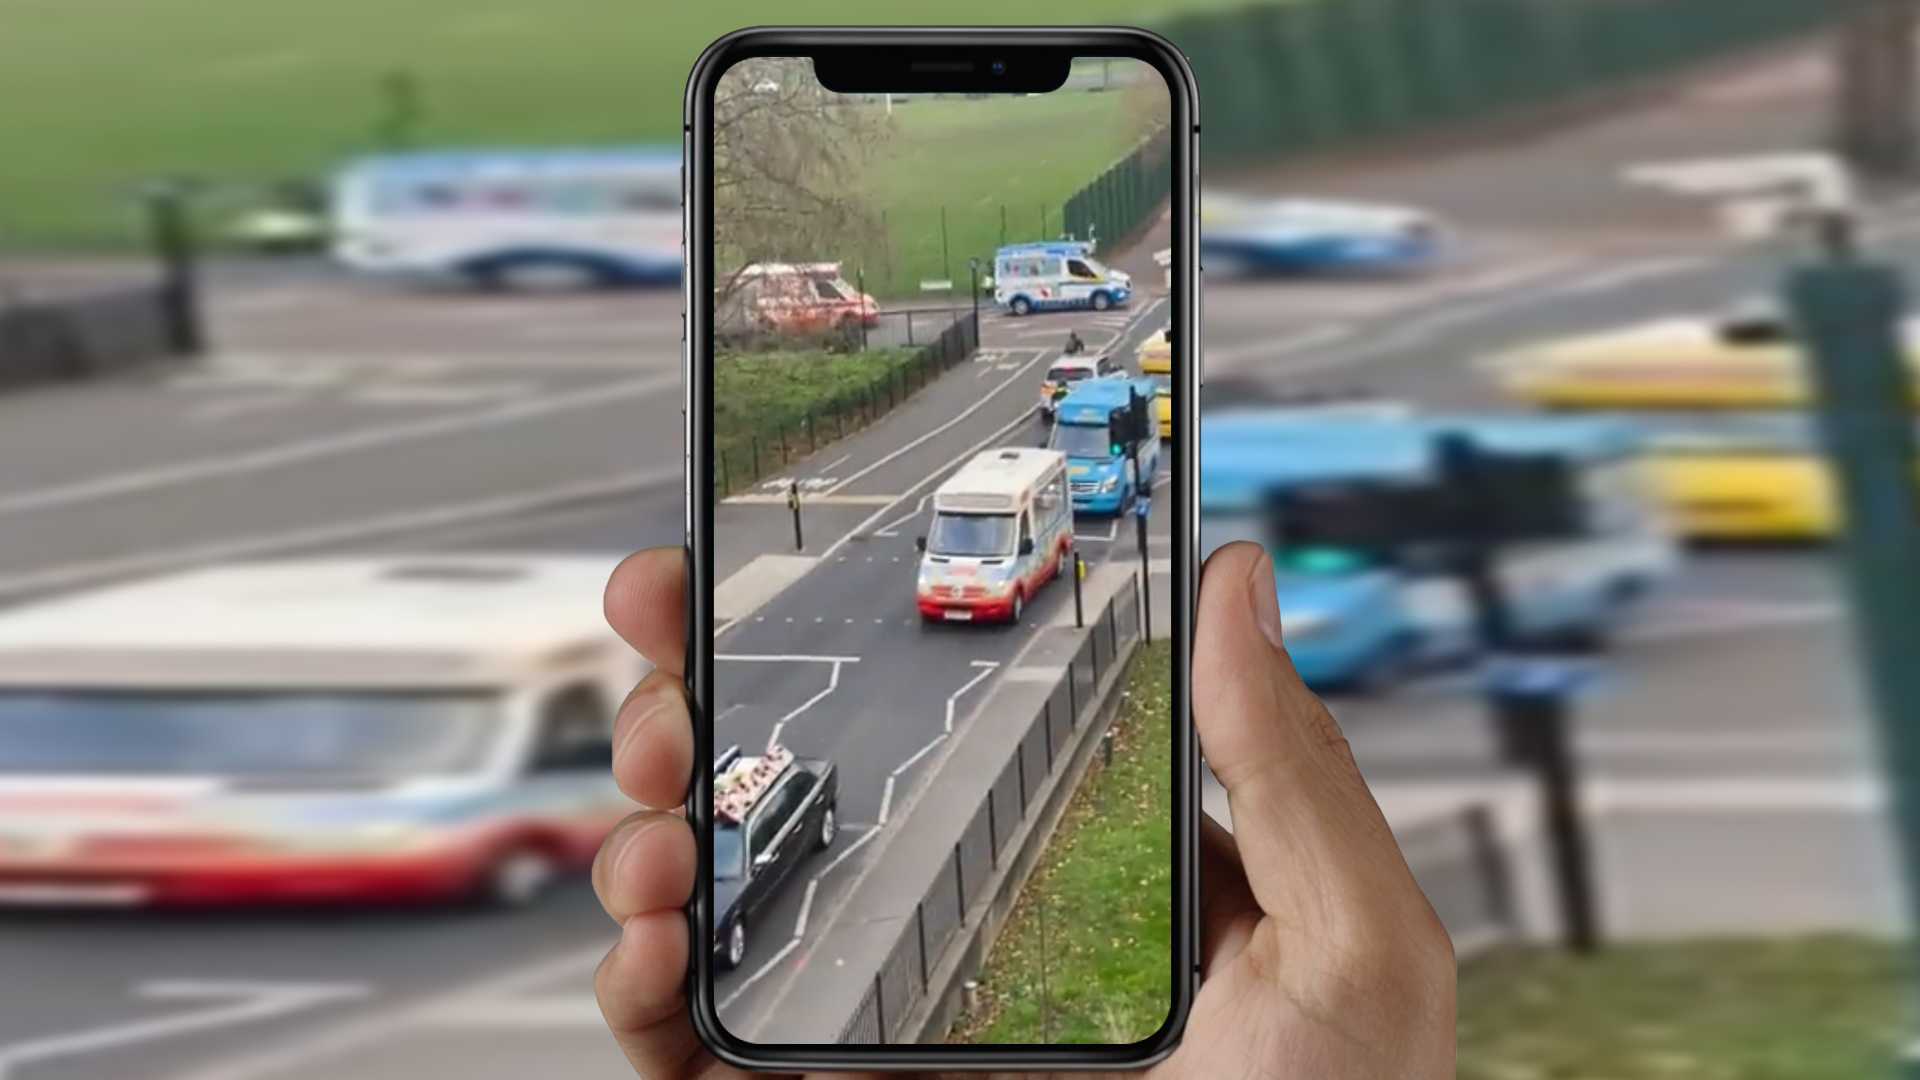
(944, 613)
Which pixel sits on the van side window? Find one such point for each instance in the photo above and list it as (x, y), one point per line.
(576, 731)
(827, 290)
(1081, 270)
(1026, 528)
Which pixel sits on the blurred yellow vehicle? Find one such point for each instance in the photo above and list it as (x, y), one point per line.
(1733, 476)
(1156, 363)
(1744, 362)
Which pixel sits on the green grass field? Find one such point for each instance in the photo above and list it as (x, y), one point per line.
(101, 94)
(1104, 885)
(1825, 1008)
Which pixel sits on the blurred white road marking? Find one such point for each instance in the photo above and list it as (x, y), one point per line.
(1701, 619)
(979, 403)
(811, 500)
(837, 462)
(886, 801)
(851, 848)
(71, 575)
(214, 412)
(545, 1012)
(140, 481)
(392, 1023)
(1312, 337)
(1159, 566)
(1629, 274)
(833, 683)
(242, 1002)
(987, 667)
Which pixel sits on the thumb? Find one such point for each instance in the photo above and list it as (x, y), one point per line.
(1318, 852)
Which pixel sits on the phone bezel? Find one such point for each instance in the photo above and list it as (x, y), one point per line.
(698, 356)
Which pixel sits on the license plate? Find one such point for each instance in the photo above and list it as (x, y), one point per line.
(29, 894)
(958, 616)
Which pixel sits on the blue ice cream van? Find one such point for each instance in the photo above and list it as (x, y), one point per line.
(1088, 427)
(1056, 276)
(1361, 616)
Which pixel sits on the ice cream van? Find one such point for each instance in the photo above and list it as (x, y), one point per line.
(1002, 528)
(1056, 276)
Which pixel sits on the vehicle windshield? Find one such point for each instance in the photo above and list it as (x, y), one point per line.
(1068, 374)
(971, 534)
(1083, 440)
(729, 853)
(234, 733)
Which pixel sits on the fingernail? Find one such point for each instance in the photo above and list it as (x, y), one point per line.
(1266, 599)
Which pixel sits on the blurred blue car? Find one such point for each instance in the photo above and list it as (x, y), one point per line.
(1100, 476)
(1306, 237)
(1363, 619)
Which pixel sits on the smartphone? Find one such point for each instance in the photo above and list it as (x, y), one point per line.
(941, 429)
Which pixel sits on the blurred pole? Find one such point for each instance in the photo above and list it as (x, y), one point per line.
(973, 289)
(1461, 469)
(793, 504)
(1850, 312)
(399, 123)
(860, 286)
(1079, 612)
(1876, 83)
(170, 227)
(1531, 706)
(946, 257)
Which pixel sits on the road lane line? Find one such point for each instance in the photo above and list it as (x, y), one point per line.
(806, 906)
(256, 1001)
(989, 668)
(886, 803)
(925, 750)
(855, 846)
(982, 402)
(792, 944)
(892, 528)
(70, 575)
(142, 481)
(833, 683)
(1312, 337)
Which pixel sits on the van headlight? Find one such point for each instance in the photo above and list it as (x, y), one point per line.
(1109, 483)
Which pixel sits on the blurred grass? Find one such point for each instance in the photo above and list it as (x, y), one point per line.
(100, 94)
(1106, 883)
(1815, 1008)
(766, 396)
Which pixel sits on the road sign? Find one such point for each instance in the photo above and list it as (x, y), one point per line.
(945, 285)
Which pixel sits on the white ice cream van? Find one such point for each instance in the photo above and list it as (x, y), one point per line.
(1002, 528)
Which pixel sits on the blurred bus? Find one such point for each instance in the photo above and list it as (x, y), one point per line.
(513, 218)
(322, 731)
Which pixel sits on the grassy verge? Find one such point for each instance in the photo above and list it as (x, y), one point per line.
(1104, 887)
(265, 91)
(763, 402)
(1821, 1008)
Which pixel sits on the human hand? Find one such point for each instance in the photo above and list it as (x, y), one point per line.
(1320, 956)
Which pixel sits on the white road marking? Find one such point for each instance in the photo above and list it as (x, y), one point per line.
(1629, 274)
(851, 848)
(1709, 619)
(833, 683)
(925, 750)
(987, 667)
(1113, 530)
(886, 801)
(785, 950)
(214, 412)
(1312, 337)
(69, 575)
(806, 908)
(300, 451)
(836, 463)
(958, 418)
(250, 1002)
(892, 528)
(785, 658)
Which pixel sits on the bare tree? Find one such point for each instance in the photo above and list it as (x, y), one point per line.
(789, 158)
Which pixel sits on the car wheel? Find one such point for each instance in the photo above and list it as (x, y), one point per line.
(518, 878)
(1102, 301)
(829, 828)
(736, 952)
(1019, 604)
(1021, 305)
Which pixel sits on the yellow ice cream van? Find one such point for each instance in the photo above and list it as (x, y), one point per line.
(1156, 363)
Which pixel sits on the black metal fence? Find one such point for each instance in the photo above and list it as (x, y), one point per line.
(750, 448)
(85, 335)
(992, 838)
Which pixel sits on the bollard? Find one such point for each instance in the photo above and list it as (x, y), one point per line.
(169, 222)
(1531, 703)
(1079, 572)
(970, 996)
(1106, 748)
(1143, 505)
(793, 504)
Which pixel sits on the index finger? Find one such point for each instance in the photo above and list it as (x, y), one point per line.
(646, 604)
